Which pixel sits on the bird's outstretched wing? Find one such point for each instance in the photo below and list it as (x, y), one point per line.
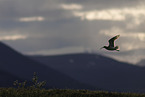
(111, 41)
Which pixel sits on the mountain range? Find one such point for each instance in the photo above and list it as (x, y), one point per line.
(98, 71)
(15, 66)
(73, 71)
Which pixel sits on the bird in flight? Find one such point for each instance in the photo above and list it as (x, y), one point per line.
(111, 44)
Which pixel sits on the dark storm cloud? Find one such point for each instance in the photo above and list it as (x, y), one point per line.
(52, 24)
(13, 9)
(24, 8)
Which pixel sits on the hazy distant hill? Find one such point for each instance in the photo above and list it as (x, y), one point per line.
(141, 63)
(24, 67)
(98, 71)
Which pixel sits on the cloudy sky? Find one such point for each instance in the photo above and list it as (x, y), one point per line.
(68, 26)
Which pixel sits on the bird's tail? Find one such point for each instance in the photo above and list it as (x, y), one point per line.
(116, 47)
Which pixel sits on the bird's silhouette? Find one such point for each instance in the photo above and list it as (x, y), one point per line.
(111, 44)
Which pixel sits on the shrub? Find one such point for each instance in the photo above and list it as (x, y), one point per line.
(35, 83)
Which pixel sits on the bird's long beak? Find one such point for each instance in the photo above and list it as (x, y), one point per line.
(101, 48)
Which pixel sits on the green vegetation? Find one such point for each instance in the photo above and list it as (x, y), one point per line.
(36, 90)
(35, 82)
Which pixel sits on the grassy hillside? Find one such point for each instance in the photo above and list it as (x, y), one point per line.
(35, 92)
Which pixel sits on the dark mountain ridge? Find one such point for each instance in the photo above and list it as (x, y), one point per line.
(24, 67)
(98, 71)
(7, 79)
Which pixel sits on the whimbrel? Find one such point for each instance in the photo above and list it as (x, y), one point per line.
(111, 44)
